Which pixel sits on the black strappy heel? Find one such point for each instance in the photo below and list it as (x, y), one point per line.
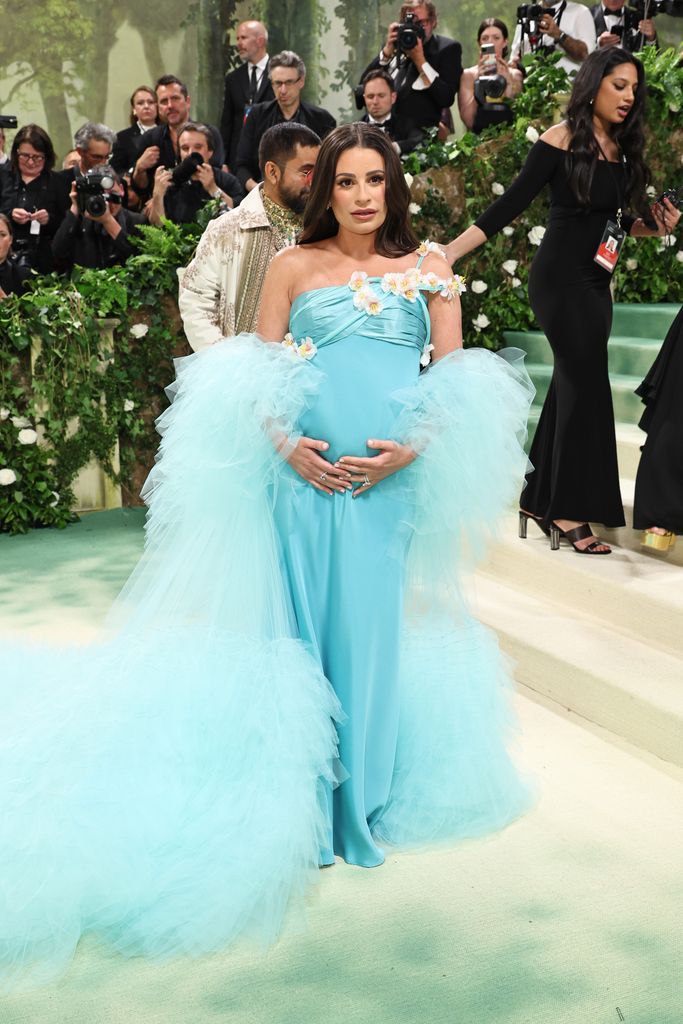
(578, 533)
(524, 518)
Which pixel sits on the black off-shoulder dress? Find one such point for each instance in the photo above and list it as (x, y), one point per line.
(574, 452)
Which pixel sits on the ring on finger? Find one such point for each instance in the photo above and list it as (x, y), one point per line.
(323, 476)
(366, 480)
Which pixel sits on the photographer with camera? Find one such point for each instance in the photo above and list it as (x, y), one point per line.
(567, 27)
(4, 158)
(13, 273)
(180, 193)
(425, 67)
(630, 27)
(485, 86)
(159, 146)
(33, 197)
(96, 229)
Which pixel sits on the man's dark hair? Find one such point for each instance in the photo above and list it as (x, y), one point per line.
(39, 139)
(410, 5)
(201, 129)
(379, 73)
(278, 144)
(171, 80)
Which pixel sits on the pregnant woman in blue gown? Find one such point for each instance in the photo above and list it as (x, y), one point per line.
(290, 672)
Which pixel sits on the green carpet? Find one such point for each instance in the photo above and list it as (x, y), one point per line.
(570, 916)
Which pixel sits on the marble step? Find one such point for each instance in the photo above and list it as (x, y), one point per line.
(627, 406)
(618, 682)
(628, 538)
(639, 595)
(630, 356)
(645, 320)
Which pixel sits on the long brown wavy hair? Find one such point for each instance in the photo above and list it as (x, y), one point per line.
(395, 236)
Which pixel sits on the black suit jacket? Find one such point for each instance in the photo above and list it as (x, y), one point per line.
(601, 24)
(235, 100)
(263, 116)
(405, 144)
(126, 148)
(421, 108)
(161, 137)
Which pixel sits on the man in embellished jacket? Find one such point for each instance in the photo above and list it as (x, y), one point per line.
(220, 291)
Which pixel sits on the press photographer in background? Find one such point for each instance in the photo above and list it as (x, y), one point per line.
(566, 27)
(144, 116)
(376, 93)
(487, 88)
(425, 68)
(179, 193)
(33, 197)
(96, 229)
(13, 273)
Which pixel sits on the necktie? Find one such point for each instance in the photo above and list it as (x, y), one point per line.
(252, 84)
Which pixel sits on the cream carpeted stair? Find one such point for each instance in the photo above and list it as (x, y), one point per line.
(599, 636)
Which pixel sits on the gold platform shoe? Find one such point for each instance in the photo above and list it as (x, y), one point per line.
(658, 541)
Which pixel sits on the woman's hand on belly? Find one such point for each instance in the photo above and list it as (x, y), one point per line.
(370, 471)
(316, 470)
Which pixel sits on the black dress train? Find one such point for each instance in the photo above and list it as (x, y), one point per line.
(574, 450)
(659, 482)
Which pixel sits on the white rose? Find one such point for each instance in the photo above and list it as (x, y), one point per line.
(4, 414)
(515, 282)
(55, 500)
(507, 230)
(478, 287)
(409, 179)
(531, 134)
(536, 234)
(650, 191)
(7, 477)
(481, 321)
(414, 208)
(667, 241)
(128, 405)
(139, 330)
(497, 188)
(20, 422)
(679, 255)
(27, 437)
(510, 266)
(631, 264)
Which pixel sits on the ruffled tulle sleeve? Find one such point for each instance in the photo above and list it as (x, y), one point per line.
(467, 419)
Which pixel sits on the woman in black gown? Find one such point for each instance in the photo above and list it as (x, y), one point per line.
(658, 506)
(594, 165)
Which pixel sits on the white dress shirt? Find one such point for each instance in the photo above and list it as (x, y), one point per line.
(577, 21)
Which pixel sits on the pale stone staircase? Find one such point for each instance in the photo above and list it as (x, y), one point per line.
(599, 636)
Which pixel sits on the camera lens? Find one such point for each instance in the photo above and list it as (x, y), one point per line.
(96, 205)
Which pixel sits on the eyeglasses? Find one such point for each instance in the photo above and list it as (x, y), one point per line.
(284, 84)
(31, 158)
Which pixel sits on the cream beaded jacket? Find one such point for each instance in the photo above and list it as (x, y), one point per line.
(220, 290)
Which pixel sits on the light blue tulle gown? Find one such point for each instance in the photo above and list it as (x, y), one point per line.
(287, 675)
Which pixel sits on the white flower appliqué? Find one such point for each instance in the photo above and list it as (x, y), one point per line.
(427, 246)
(426, 358)
(304, 349)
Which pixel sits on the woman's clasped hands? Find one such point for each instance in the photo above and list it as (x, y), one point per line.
(349, 470)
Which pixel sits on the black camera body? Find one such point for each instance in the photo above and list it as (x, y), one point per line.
(532, 12)
(409, 32)
(674, 195)
(93, 191)
(183, 171)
